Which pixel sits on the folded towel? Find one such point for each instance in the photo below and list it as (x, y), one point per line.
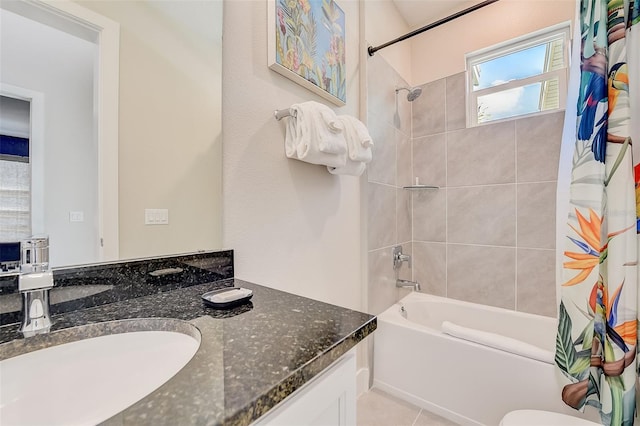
(292, 137)
(352, 168)
(315, 135)
(497, 341)
(332, 122)
(322, 129)
(359, 141)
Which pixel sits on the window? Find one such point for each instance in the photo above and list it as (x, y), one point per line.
(524, 76)
(15, 170)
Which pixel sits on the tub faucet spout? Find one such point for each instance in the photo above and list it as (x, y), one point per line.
(406, 283)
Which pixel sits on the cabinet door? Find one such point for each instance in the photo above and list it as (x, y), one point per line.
(328, 400)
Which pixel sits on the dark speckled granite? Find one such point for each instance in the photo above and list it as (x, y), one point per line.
(124, 280)
(250, 358)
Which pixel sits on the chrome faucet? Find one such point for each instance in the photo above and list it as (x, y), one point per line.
(399, 257)
(34, 282)
(406, 283)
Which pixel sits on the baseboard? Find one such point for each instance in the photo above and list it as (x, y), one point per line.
(362, 381)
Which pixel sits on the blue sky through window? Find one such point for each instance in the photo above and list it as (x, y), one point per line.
(517, 101)
(523, 76)
(522, 64)
(510, 103)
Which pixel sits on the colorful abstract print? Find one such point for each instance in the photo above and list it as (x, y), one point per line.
(596, 345)
(310, 41)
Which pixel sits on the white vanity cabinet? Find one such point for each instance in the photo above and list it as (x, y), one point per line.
(327, 400)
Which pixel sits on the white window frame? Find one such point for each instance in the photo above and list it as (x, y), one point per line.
(545, 35)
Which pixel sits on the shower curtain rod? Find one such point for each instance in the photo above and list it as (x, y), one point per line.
(372, 50)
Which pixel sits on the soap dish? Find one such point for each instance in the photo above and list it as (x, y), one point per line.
(226, 298)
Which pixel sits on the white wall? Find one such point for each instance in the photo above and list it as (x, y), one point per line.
(293, 225)
(440, 52)
(70, 175)
(383, 24)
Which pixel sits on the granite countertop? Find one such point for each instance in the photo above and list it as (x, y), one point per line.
(250, 357)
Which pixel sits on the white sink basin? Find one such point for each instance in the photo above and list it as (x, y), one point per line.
(90, 380)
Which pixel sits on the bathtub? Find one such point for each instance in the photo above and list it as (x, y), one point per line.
(492, 362)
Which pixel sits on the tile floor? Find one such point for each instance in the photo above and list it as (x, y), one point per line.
(376, 408)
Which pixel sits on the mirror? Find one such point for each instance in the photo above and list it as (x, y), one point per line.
(168, 140)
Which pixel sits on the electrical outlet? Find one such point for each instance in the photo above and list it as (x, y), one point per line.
(77, 216)
(156, 216)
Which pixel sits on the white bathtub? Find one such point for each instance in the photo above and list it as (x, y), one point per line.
(467, 382)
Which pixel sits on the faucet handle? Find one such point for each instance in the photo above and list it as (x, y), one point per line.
(398, 257)
(34, 255)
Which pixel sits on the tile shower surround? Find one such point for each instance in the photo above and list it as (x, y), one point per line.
(488, 234)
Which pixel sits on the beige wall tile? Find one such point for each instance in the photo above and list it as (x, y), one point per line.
(456, 117)
(382, 101)
(482, 215)
(405, 272)
(537, 215)
(381, 92)
(482, 274)
(382, 281)
(402, 110)
(429, 267)
(389, 216)
(382, 168)
(428, 111)
(465, 232)
(404, 215)
(429, 215)
(430, 159)
(536, 285)
(481, 155)
(402, 116)
(538, 142)
(382, 215)
(402, 292)
(403, 166)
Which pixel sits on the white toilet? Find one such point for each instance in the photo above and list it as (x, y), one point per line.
(542, 418)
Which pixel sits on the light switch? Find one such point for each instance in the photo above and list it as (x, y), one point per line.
(77, 216)
(156, 216)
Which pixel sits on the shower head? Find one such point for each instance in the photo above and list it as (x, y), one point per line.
(414, 92)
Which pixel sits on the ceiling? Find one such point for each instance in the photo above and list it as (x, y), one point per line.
(418, 13)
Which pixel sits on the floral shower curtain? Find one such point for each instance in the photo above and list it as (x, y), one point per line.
(596, 344)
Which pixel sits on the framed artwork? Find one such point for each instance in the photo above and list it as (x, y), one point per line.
(307, 45)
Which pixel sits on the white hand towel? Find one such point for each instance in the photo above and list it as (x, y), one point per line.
(321, 130)
(334, 125)
(359, 141)
(292, 138)
(314, 135)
